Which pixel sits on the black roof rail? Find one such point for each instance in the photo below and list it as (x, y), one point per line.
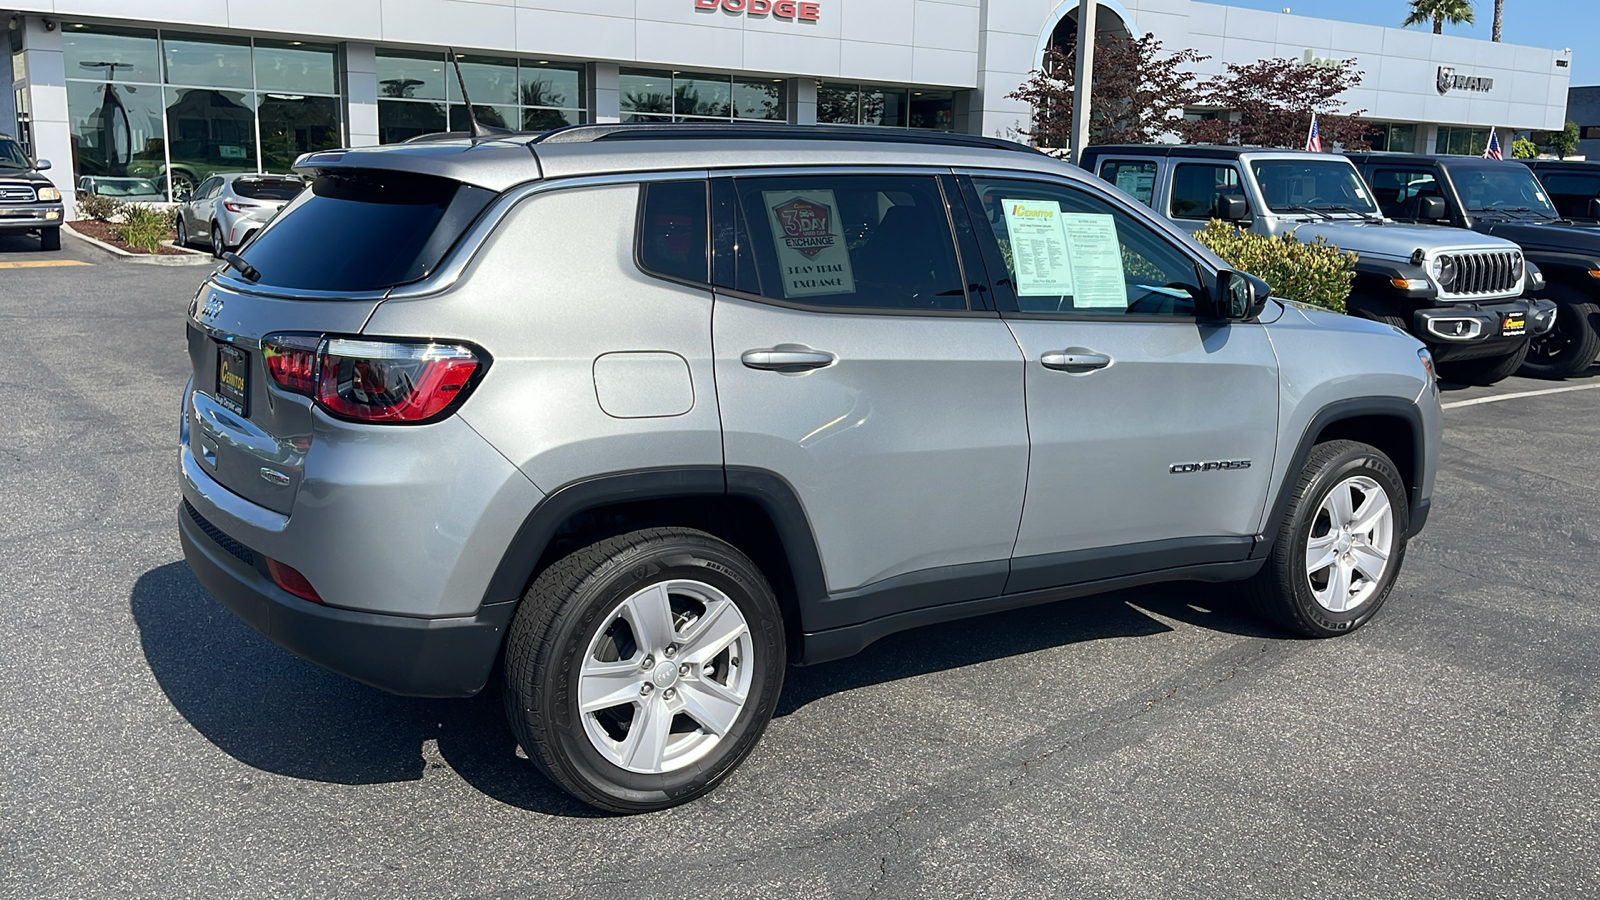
(582, 134)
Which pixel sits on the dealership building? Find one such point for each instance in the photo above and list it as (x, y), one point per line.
(180, 89)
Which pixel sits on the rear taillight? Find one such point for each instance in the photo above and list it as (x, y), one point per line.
(374, 381)
(235, 206)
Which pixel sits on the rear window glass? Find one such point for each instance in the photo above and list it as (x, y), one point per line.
(364, 230)
(281, 189)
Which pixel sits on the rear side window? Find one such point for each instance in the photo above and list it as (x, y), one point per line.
(1138, 179)
(1196, 187)
(277, 189)
(364, 230)
(846, 241)
(673, 232)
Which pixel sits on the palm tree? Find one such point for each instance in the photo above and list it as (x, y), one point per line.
(1439, 12)
(1499, 13)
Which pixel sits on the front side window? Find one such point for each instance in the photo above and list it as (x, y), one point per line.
(1196, 187)
(1398, 190)
(1067, 252)
(1292, 185)
(1135, 178)
(846, 241)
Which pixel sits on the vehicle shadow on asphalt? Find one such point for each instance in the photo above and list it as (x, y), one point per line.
(273, 711)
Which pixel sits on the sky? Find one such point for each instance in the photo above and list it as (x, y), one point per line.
(1552, 24)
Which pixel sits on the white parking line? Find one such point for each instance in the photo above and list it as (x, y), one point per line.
(1560, 390)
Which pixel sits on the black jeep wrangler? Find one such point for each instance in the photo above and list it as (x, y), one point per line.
(1505, 199)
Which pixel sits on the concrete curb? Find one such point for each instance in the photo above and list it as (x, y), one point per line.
(189, 257)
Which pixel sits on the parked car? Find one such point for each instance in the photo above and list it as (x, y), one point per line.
(1504, 199)
(653, 411)
(226, 210)
(28, 200)
(1573, 186)
(1460, 295)
(142, 191)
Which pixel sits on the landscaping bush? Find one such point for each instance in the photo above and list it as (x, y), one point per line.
(94, 206)
(143, 227)
(1315, 273)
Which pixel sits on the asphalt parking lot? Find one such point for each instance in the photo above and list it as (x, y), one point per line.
(1153, 743)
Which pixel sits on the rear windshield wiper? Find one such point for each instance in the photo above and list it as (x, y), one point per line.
(235, 261)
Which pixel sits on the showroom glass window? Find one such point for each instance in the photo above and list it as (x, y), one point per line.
(651, 95)
(418, 94)
(177, 108)
(840, 103)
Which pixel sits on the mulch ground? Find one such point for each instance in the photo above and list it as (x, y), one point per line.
(101, 231)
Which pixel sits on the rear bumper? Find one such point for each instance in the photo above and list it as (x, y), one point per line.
(446, 657)
(27, 218)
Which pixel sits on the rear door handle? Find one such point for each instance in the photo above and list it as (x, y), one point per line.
(1074, 358)
(786, 358)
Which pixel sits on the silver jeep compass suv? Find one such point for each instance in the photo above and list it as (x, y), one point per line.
(656, 411)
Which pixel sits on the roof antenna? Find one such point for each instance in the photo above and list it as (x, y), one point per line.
(479, 130)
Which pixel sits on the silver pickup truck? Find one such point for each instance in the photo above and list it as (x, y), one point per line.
(1461, 294)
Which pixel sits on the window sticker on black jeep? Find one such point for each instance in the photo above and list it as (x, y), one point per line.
(809, 238)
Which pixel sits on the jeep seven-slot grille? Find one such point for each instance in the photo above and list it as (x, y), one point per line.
(1490, 272)
(227, 543)
(16, 193)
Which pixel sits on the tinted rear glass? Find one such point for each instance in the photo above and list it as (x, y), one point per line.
(364, 230)
(268, 190)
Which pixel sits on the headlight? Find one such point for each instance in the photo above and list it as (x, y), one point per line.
(49, 193)
(1427, 363)
(1516, 267)
(1444, 270)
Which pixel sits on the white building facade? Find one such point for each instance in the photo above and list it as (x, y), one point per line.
(174, 90)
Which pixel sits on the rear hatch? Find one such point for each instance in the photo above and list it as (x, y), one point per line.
(322, 267)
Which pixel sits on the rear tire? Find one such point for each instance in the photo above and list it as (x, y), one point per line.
(182, 239)
(50, 238)
(217, 246)
(667, 630)
(1336, 591)
(1485, 371)
(1571, 345)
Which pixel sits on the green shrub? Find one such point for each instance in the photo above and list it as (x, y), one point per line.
(1522, 148)
(143, 227)
(1315, 273)
(94, 206)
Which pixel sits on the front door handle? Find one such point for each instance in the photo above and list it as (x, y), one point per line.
(786, 358)
(1074, 359)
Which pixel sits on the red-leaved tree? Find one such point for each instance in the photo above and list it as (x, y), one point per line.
(1269, 103)
(1139, 93)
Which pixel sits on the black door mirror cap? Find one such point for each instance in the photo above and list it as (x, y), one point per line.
(1238, 296)
(1232, 208)
(1594, 207)
(1432, 208)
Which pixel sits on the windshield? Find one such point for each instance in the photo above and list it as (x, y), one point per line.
(1324, 186)
(11, 156)
(1505, 186)
(126, 187)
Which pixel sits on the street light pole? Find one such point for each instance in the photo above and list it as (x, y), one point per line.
(1083, 80)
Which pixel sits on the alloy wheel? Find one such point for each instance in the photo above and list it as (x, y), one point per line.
(1348, 548)
(665, 677)
(1550, 346)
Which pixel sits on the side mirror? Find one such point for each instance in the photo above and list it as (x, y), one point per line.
(41, 164)
(1232, 208)
(1238, 295)
(1594, 207)
(1432, 208)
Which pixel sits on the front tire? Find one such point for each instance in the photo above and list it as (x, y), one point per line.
(1340, 545)
(641, 670)
(1485, 371)
(1571, 344)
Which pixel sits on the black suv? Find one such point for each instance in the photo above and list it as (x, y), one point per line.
(1503, 198)
(28, 200)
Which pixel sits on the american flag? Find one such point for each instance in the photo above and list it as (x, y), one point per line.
(1493, 151)
(1314, 139)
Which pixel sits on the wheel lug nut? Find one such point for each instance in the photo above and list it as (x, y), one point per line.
(683, 669)
(668, 694)
(708, 670)
(649, 663)
(646, 688)
(670, 652)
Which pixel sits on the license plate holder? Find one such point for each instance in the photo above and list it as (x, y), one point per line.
(233, 378)
(1514, 325)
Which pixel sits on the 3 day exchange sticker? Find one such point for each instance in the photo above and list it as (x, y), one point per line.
(810, 242)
